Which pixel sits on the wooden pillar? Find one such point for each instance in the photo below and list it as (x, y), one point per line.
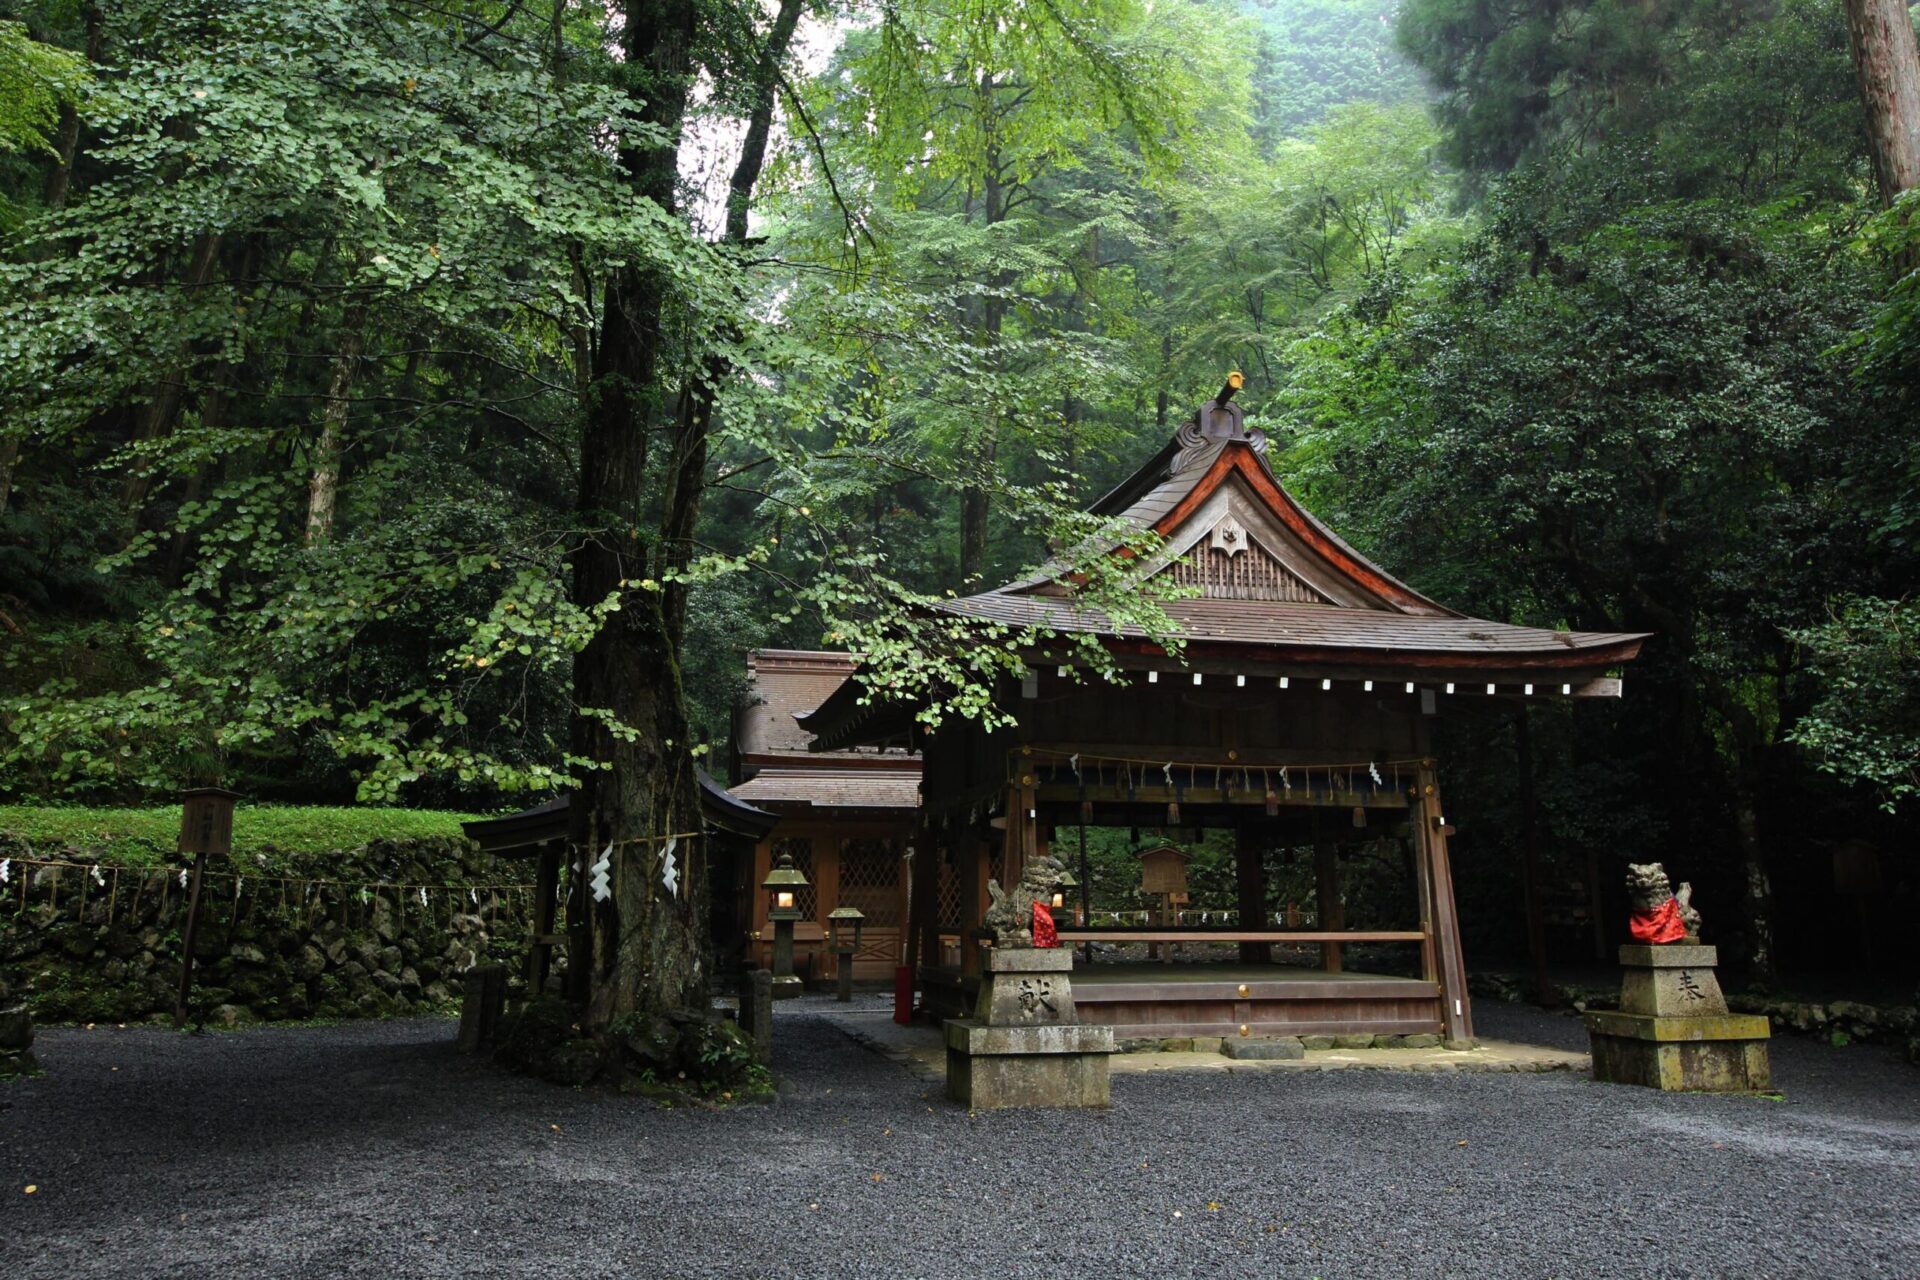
(929, 852)
(1595, 906)
(579, 923)
(760, 946)
(546, 879)
(901, 852)
(1456, 1014)
(1250, 878)
(1530, 857)
(1332, 908)
(826, 895)
(973, 868)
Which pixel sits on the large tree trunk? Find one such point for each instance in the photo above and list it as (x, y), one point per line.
(323, 484)
(642, 949)
(1887, 66)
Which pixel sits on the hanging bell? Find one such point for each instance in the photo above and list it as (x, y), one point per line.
(1273, 803)
(1359, 815)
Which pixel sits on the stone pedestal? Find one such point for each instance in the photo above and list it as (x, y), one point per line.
(1025, 1045)
(756, 1012)
(1673, 1031)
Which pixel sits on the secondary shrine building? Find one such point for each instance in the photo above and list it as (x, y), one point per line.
(1298, 716)
(846, 818)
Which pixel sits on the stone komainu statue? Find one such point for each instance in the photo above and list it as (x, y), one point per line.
(1011, 914)
(1649, 892)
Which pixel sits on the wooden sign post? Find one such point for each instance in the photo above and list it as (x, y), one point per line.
(206, 826)
(1163, 873)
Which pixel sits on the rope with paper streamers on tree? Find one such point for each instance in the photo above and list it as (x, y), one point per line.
(22, 880)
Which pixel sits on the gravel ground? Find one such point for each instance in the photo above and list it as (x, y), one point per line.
(374, 1149)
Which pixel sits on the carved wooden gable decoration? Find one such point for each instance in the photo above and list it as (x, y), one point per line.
(1234, 540)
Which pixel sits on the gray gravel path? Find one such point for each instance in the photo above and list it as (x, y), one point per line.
(375, 1150)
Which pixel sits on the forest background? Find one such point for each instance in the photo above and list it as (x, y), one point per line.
(378, 378)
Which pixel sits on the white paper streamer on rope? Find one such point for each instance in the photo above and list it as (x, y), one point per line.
(473, 896)
(6, 870)
(99, 876)
(1374, 769)
(423, 895)
(669, 869)
(183, 879)
(602, 885)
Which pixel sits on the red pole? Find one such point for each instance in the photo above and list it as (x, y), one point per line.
(903, 994)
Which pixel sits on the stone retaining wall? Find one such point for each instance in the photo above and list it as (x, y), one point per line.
(265, 952)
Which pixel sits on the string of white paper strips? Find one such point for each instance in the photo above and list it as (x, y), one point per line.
(669, 870)
(602, 883)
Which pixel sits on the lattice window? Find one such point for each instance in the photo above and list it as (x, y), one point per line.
(806, 900)
(870, 880)
(946, 913)
(1251, 574)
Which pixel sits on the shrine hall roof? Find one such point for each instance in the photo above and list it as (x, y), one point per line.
(833, 788)
(1321, 632)
(778, 767)
(1264, 587)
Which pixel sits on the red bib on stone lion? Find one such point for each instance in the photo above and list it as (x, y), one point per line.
(1044, 934)
(1661, 924)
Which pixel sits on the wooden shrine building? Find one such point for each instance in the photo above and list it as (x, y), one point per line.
(1302, 706)
(846, 816)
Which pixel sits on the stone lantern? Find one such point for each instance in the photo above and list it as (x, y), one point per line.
(783, 885)
(845, 922)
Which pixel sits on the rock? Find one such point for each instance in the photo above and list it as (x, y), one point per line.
(652, 1041)
(386, 982)
(336, 951)
(1420, 1041)
(229, 1015)
(1317, 1042)
(575, 1062)
(391, 960)
(247, 953)
(1860, 1020)
(1386, 1042)
(1353, 1042)
(410, 982)
(309, 964)
(385, 921)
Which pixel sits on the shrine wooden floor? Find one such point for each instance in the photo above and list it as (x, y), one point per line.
(1154, 999)
(1154, 971)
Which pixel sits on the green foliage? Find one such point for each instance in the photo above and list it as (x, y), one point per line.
(147, 837)
(1713, 98)
(1316, 56)
(1865, 724)
(36, 80)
